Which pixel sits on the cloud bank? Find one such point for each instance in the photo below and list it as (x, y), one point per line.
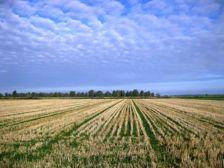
(105, 43)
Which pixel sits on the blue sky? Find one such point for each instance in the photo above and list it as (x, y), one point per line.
(168, 46)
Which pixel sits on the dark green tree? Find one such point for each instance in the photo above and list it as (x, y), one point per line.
(142, 93)
(107, 94)
(152, 94)
(14, 93)
(114, 93)
(99, 94)
(135, 93)
(147, 94)
(91, 93)
(72, 93)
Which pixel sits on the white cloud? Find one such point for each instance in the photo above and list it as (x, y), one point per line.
(156, 5)
(77, 6)
(145, 37)
(113, 7)
(43, 23)
(23, 8)
(205, 7)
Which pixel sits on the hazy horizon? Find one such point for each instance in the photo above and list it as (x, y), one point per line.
(188, 88)
(170, 47)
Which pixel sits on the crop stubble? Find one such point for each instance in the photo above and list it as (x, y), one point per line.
(111, 133)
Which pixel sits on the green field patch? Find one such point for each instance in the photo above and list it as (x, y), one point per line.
(164, 158)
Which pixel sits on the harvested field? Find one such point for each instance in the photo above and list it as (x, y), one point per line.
(111, 133)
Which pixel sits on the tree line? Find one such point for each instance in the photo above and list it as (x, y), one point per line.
(87, 94)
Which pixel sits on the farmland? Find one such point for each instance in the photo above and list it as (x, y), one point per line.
(111, 133)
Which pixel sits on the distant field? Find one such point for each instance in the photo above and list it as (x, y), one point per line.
(208, 97)
(112, 133)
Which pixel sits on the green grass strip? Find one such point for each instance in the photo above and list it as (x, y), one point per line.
(164, 158)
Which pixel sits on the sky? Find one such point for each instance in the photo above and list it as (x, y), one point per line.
(167, 46)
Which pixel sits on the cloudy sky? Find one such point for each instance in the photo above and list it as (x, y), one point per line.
(169, 46)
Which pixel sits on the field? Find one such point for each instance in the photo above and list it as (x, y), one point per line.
(112, 133)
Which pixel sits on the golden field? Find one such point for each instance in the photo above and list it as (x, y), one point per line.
(112, 133)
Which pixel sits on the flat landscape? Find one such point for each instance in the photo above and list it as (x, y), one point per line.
(112, 133)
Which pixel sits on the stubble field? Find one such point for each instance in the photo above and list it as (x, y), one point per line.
(111, 133)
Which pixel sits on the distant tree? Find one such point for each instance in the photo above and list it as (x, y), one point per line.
(147, 94)
(72, 93)
(118, 93)
(99, 93)
(33, 94)
(55, 94)
(122, 93)
(81, 94)
(152, 94)
(142, 93)
(107, 94)
(40, 94)
(158, 95)
(91, 93)
(85, 94)
(14, 93)
(135, 93)
(28, 95)
(78, 94)
(1, 95)
(114, 93)
(128, 93)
